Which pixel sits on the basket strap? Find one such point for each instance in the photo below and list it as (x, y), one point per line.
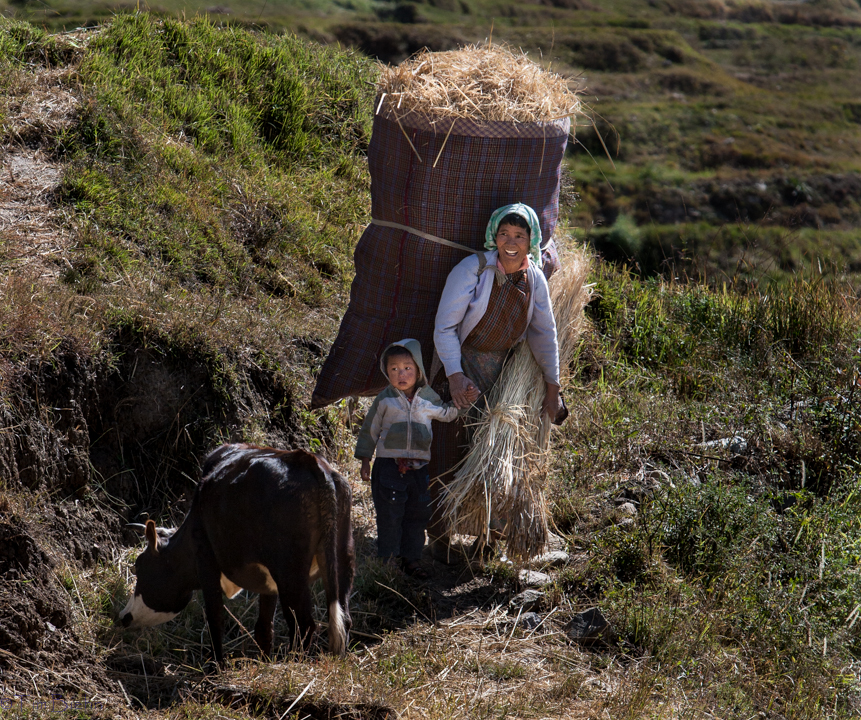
(482, 258)
(426, 236)
(434, 238)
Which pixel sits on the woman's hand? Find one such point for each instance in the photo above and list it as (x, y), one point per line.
(366, 470)
(463, 390)
(550, 406)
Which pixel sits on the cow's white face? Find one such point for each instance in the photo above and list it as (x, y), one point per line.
(161, 590)
(136, 614)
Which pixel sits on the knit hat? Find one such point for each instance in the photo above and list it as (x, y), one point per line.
(528, 214)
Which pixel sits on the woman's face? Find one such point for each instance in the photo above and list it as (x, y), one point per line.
(513, 245)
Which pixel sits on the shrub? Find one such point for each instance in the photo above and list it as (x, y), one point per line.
(692, 82)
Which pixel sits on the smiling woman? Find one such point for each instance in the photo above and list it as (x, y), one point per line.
(512, 242)
(491, 302)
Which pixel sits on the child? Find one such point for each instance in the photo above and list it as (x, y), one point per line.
(398, 428)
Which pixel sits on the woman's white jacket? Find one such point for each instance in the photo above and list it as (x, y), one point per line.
(464, 302)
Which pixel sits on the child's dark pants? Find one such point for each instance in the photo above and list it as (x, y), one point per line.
(403, 509)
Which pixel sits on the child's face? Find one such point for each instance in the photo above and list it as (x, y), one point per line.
(402, 373)
(513, 244)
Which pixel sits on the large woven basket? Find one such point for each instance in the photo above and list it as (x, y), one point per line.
(444, 177)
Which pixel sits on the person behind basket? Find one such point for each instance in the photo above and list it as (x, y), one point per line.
(490, 302)
(398, 429)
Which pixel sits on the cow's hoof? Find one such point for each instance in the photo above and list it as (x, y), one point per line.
(125, 620)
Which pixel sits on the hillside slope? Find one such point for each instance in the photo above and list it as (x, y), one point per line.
(178, 207)
(726, 133)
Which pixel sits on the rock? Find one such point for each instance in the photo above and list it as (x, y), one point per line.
(555, 542)
(588, 626)
(736, 444)
(533, 578)
(554, 558)
(527, 600)
(530, 620)
(627, 509)
(624, 514)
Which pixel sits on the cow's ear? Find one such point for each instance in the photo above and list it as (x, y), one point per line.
(151, 537)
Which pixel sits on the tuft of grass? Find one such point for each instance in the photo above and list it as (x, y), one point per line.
(23, 44)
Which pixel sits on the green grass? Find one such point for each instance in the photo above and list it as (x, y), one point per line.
(743, 559)
(225, 184)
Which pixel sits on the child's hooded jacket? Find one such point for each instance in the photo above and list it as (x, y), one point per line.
(398, 428)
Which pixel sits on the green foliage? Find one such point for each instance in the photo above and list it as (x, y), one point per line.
(660, 324)
(227, 89)
(703, 527)
(623, 49)
(217, 157)
(624, 235)
(743, 549)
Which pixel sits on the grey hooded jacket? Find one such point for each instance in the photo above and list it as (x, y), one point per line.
(396, 427)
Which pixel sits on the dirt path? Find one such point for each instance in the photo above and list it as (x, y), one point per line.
(35, 234)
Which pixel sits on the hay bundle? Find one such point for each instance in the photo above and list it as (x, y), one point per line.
(484, 83)
(504, 472)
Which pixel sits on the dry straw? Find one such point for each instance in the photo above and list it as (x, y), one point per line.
(483, 83)
(504, 472)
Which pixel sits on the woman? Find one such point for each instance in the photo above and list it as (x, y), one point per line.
(491, 301)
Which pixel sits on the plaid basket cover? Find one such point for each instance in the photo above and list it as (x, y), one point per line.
(400, 276)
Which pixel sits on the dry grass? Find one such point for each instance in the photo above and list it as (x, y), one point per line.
(504, 473)
(33, 231)
(482, 83)
(481, 664)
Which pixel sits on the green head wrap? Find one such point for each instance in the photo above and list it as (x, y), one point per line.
(528, 214)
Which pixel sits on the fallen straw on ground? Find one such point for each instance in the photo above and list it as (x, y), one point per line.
(504, 472)
(483, 83)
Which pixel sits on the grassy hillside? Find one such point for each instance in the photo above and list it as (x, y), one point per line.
(179, 283)
(733, 127)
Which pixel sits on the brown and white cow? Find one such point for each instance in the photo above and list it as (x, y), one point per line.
(270, 521)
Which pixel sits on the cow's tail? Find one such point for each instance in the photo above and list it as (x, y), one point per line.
(337, 620)
(337, 629)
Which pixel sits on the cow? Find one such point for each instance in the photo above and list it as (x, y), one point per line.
(269, 521)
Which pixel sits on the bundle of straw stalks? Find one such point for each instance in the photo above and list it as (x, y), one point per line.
(483, 83)
(504, 473)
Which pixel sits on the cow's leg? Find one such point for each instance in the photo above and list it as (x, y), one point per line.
(264, 630)
(295, 595)
(214, 617)
(210, 581)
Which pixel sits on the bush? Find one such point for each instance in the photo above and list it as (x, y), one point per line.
(692, 82)
(610, 53)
